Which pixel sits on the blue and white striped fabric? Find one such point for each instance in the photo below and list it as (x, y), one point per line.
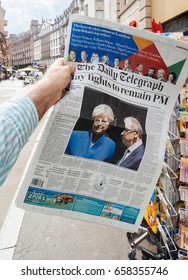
(18, 119)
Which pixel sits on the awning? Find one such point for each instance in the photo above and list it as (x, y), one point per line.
(26, 69)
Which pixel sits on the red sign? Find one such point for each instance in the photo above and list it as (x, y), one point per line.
(156, 27)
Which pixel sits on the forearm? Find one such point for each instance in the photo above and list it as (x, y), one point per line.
(18, 119)
(49, 90)
(42, 96)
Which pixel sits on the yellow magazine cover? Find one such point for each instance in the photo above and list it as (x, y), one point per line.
(184, 122)
(151, 213)
(184, 98)
(183, 237)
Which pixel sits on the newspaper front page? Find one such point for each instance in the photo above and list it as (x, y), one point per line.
(102, 149)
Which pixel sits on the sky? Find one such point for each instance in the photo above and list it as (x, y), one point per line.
(19, 13)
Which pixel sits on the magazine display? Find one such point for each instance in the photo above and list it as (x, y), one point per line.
(123, 91)
(183, 237)
(151, 212)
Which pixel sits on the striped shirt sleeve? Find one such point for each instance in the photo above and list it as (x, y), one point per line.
(18, 119)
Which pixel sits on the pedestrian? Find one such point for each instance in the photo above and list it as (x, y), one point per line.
(13, 76)
(20, 115)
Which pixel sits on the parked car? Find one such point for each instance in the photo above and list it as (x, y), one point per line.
(21, 75)
(29, 80)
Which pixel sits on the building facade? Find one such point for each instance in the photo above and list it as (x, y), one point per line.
(21, 48)
(55, 41)
(102, 9)
(135, 13)
(172, 15)
(3, 40)
(41, 43)
(45, 42)
(50, 40)
(141, 13)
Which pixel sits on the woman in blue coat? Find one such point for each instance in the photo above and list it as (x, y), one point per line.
(94, 144)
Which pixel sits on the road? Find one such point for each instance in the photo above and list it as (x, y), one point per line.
(27, 235)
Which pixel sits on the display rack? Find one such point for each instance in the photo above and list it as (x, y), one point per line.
(169, 240)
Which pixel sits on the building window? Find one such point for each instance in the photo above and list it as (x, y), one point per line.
(82, 5)
(86, 10)
(99, 14)
(99, 10)
(99, 5)
(177, 24)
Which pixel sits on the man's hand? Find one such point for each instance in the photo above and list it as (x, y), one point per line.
(48, 91)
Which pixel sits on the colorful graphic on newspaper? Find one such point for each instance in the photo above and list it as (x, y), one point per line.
(101, 151)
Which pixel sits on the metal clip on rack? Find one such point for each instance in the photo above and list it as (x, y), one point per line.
(145, 233)
(182, 254)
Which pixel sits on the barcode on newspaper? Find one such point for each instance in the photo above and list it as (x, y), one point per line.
(37, 182)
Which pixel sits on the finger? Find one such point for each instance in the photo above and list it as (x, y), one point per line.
(59, 62)
(71, 67)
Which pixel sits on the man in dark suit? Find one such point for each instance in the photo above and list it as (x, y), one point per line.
(72, 55)
(127, 65)
(151, 73)
(84, 57)
(132, 139)
(105, 59)
(117, 62)
(160, 75)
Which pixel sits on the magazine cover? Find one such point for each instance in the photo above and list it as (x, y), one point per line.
(184, 98)
(151, 212)
(183, 237)
(184, 170)
(184, 123)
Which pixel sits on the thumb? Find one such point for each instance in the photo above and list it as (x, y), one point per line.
(71, 67)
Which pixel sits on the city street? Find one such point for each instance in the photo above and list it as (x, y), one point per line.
(10, 88)
(32, 236)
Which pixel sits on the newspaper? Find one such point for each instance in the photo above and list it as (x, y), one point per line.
(70, 172)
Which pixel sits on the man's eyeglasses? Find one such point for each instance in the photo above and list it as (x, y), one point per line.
(101, 121)
(126, 131)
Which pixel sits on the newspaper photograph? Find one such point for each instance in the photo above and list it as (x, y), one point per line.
(101, 151)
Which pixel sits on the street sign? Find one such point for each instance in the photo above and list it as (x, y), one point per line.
(35, 64)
